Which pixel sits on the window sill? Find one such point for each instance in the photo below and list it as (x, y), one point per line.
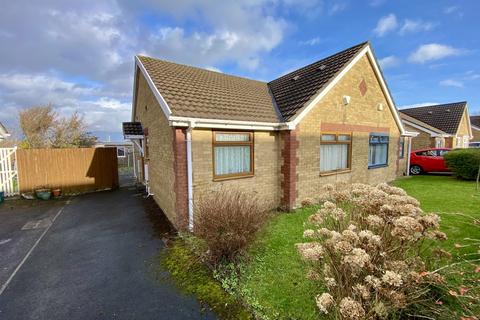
(330, 173)
(377, 166)
(233, 177)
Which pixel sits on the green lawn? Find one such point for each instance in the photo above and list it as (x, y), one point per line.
(456, 201)
(275, 276)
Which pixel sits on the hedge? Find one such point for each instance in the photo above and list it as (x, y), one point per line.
(464, 162)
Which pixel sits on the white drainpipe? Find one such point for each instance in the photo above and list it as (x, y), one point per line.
(408, 155)
(190, 175)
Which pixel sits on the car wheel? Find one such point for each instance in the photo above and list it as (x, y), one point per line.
(415, 169)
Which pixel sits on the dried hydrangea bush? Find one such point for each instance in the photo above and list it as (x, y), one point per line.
(364, 245)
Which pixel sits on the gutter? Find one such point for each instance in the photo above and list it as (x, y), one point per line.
(190, 174)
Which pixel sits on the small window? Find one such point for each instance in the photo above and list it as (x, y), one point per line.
(120, 152)
(378, 150)
(401, 148)
(335, 152)
(232, 154)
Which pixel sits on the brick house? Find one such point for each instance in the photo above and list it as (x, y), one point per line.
(333, 120)
(475, 124)
(438, 126)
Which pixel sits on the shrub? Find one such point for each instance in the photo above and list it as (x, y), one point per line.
(464, 162)
(364, 246)
(227, 221)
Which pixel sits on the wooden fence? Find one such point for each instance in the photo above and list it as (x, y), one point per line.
(71, 170)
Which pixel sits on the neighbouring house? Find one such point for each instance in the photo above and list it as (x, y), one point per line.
(439, 126)
(3, 132)
(475, 124)
(199, 130)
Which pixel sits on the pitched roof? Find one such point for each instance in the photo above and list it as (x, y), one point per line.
(417, 122)
(295, 89)
(200, 93)
(445, 117)
(475, 121)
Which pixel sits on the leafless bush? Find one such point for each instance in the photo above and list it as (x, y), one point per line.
(227, 221)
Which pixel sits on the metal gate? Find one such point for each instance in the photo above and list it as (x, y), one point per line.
(8, 171)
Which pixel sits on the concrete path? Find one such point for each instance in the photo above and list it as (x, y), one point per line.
(97, 260)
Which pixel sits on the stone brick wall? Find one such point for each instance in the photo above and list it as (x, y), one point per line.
(361, 117)
(476, 135)
(267, 160)
(462, 130)
(422, 141)
(161, 157)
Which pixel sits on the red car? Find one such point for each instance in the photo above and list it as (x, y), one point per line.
(428, 160)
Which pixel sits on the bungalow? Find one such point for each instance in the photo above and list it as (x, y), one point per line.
(438, 126)
(199, 130)
(3, 132)
(475, 124)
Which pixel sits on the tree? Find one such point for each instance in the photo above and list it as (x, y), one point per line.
(43, 128)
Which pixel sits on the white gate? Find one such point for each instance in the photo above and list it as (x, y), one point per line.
(8, 171)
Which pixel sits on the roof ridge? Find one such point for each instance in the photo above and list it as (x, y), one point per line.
(435, 105)
(201, 69)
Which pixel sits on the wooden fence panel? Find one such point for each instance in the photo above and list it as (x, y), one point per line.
(72, 170)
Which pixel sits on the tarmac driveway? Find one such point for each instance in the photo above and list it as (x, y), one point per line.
(93, 258)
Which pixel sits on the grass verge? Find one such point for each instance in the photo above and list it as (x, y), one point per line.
(193, 277)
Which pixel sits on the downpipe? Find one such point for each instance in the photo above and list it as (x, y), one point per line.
(190, 175)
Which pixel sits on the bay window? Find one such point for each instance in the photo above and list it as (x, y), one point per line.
(232, 154)
(335, 152)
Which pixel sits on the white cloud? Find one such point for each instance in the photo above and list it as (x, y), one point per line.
(213, 69)
(451, 83)
(376, 3)
(389, 62)
(385, 25)
(337, 7)
(410, 26)
(433, 51)
(81, 58)
(311, 42)
(450, 9)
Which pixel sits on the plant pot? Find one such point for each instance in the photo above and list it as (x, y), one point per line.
(43, 194)
(56, 193)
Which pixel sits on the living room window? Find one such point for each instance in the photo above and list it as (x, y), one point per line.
(378, 150)
(335, 152)
(232, 154)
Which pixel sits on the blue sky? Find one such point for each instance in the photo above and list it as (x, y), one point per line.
(79, 55)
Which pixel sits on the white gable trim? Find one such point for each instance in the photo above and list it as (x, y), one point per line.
(161, 101)
(367, 50)
(469, 125)
(475, 127)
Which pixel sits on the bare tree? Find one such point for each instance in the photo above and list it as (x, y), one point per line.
(37, 124)
(43, 128)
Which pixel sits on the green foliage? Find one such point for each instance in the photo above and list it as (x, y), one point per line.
(192, 276)
(464, 162)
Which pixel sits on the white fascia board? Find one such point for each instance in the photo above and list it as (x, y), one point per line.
(161, 101)
(475, 127)
(224, 124)
(381, 79)
(332, 84)
(430, 132)
(469, 125)
(134, 91)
